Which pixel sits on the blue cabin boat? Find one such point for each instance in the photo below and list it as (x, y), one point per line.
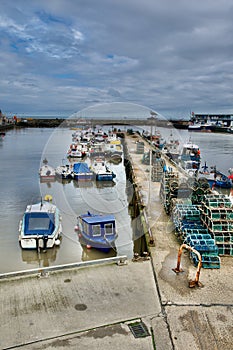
(82, 172)
(97, 231)
(215, 177)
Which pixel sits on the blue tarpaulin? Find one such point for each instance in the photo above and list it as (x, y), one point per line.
(81, 168)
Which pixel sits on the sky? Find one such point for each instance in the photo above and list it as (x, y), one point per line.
(59, 57)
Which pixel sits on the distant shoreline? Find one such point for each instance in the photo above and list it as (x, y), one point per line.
(70, 122)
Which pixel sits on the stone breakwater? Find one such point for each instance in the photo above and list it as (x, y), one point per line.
(71, 122)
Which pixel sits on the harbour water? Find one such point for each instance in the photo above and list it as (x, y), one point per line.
(216, 148)
(21, 154)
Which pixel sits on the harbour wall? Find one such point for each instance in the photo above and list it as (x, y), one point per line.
(70, 123)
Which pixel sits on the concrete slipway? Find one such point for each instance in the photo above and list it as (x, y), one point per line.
(91, 307)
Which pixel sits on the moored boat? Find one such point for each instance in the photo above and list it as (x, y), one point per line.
(97, 231)
(64, 171)
(47, 172)
(172, 148)
(210, 122)
(190, 158)
(204, 127)
(230, 171)
(102, 171)
(114, 151)
(40, 227)
(97, 150)
(82, 172)
(74, 151)
(215, 177)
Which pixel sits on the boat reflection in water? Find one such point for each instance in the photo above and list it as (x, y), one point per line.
(102, 184)
(63, 181)
(95, 254)
(40, 259)
(83, 184)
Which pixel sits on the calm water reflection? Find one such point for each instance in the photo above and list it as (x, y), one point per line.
(21, 154)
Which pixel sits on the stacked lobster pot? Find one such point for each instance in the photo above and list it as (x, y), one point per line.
(200, 187)
(189, 227)
(217, 217)
(140, 147)
(157, 170)
(157, 163)
(186, 217)
(169, 189)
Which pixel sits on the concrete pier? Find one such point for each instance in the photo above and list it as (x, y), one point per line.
(196, 318)
(96, 307)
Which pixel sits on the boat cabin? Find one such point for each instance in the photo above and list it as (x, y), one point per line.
(190, 151)
(39, 223)
(97, 230)
(98, 225)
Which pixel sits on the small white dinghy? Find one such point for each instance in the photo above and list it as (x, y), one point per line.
(47, 172)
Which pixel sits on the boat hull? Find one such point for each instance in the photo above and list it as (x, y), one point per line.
(63, 173)
(104, 246)
(220, 184)
(219, 180)
(83, 177)
(47, 173)
(39, 242)
(65, 176)
(104, 177)
(82, 172)
(48, 178)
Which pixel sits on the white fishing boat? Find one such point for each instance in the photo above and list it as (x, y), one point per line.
(100, 135)
(101, 170)
(190, 158)
(40, 227)
(64, 171)
(114, 150)
(172, 148)
(74, 151)
(97, 149)
(47, 172)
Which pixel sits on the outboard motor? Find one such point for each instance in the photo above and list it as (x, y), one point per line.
(45, 240)
(37, 244)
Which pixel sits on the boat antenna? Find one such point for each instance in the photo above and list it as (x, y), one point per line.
(41, 202)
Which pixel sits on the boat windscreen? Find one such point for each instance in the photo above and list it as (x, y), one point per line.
(39, 224)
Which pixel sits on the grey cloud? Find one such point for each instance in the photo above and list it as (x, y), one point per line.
(171, 57)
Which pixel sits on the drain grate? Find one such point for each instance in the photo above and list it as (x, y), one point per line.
(139, 329)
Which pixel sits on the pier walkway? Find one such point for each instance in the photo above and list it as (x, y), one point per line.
(140, 305)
